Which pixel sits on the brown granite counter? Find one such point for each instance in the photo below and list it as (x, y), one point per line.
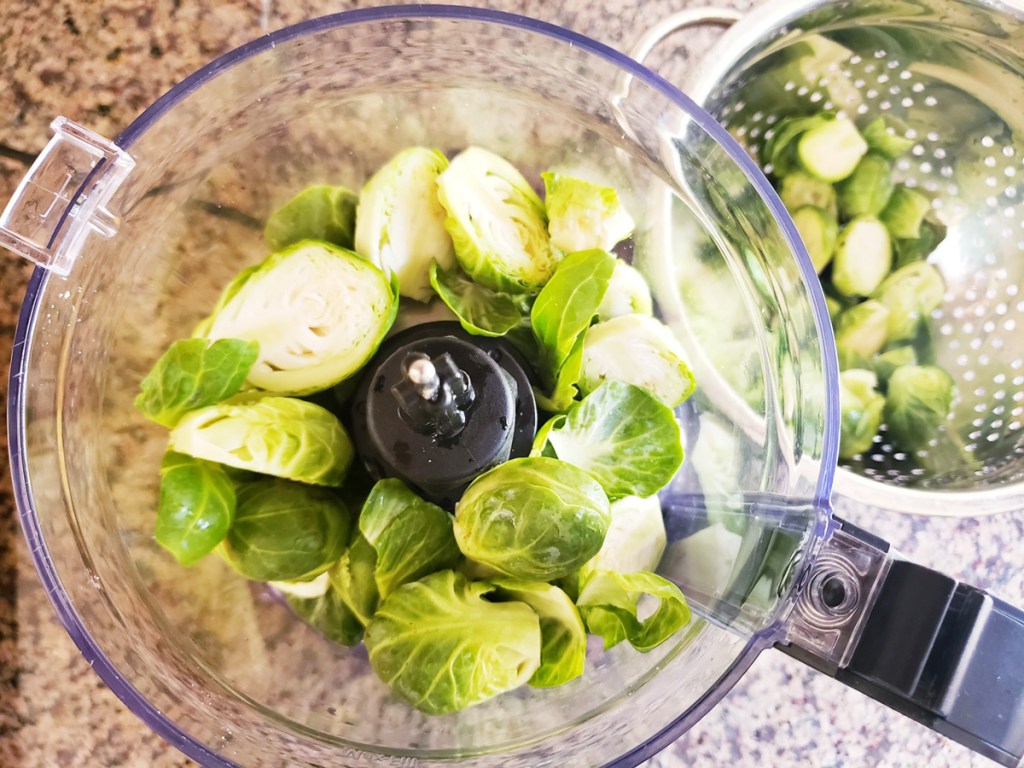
(100, 62)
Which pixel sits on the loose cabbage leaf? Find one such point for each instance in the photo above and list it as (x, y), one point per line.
(563, 648)
(532, 518)
(197, 505)
(566, 386)
(624, 437)
(279, 436)
(285, 531)
(567, 305)
(496, 222)
(480, 310)
(194, 373)
(442, 647)
(318, 311)
(608, 604)
(400, 222)
(319, 212)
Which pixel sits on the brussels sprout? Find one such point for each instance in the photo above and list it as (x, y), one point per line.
(399, 538)
(834, 307)
(583, 216)
(867, 189)
(194, 373)
(532, 518)
(887, 362)
(568, 303)
(563, 639)
(780, 149)
(917, 403)
(818, 231)
(319, 212)
(905, 212)
(911, 294)
(442, 647)
(799, 189)
(916, 249)
(863, 328)
(400, 222)
(627, 294)
(863, 257)
(624, 437)
(318, 312)
(635, 540)
(480, 310)
(639, 350)
(860, 406)
(197, 505)
(496, 222)
(832, 149)
(329, 616)
(285, 531)
(278, 436)
(882, 139)
(608, 604)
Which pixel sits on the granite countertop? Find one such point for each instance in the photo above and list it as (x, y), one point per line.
(100, 63)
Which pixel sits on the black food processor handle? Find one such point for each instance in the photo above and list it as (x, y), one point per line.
(946, 654)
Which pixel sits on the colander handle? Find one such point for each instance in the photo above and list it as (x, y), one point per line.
(705, 16)
(945, 654)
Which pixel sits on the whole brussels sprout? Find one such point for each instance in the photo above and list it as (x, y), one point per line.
(533, 518)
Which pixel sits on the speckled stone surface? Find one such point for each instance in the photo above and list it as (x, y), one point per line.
(100, 63)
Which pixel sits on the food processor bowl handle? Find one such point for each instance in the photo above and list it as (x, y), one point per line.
(944, 653)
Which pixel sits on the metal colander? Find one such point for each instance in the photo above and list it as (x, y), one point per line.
(950, 76)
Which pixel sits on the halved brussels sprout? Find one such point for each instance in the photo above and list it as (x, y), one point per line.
(799, 188)
(863, 257)
(832, 149)
(911, 294)
(639, 350)
(532, 518)
(318, 312)
(441, 646)
(918, 401)
(319, 212)
(636, 537)
(867, 189)
(279, 436)
(860, 406)
(400, 222)
(818, 230)
(496, 222)
(627, 294)
(862, 329)
(905, 212)
(583, 216)
(285, 531)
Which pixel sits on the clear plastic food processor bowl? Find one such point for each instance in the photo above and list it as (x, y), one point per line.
(215, 664)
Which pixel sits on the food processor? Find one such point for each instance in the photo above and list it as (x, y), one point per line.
(135, 239)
